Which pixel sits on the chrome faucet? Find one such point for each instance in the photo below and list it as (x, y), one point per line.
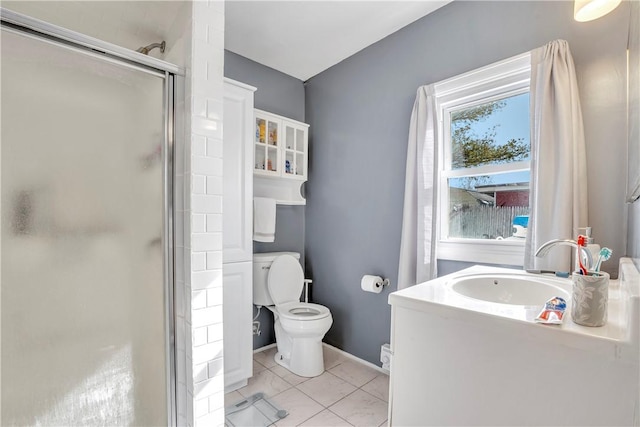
(546, 247)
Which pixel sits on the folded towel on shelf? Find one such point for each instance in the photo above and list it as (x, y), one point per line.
(264, 219)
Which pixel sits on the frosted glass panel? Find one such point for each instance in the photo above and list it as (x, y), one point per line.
(83, 312)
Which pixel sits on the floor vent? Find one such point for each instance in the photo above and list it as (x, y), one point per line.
(385, 357)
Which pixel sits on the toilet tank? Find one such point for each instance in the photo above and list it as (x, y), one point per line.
(261, 264)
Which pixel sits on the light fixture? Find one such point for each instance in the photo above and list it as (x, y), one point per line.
(588, 10)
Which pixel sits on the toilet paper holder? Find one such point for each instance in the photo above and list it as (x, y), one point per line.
(385, 282)
(371, 283)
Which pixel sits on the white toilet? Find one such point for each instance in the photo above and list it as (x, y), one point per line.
(277, 284)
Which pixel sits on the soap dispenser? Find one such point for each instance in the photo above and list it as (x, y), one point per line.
(594, 248)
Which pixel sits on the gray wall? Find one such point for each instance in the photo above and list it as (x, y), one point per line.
(281, 94)
(359, 114)
(277, 92)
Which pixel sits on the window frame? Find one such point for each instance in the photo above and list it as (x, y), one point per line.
(500, 80)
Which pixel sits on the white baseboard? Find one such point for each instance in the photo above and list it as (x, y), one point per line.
(266, 347)
(357, 359)
(343, 353)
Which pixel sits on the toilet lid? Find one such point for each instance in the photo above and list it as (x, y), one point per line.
(285, 280)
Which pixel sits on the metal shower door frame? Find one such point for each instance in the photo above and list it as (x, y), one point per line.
(172, 76)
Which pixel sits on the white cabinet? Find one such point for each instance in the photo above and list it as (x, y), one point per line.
(267, 152)
(280, 147)
(238, 179)
(237, 233)
(294, 146)
(238, 333)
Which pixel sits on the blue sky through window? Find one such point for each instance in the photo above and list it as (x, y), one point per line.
(511, 122)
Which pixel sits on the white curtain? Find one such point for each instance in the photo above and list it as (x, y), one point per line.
(417, 249)
(558, 188)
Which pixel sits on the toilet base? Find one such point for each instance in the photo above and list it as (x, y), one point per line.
(300, 344)
(305, 359)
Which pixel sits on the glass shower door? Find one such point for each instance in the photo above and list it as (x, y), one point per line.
(84, 317)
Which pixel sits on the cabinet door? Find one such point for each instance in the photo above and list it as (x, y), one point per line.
(238, 177)
(266, 137)
(295, 150)
(237, 317)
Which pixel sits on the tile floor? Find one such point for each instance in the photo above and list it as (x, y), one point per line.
(348, 393)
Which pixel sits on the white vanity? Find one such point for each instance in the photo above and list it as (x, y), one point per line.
(462, 360)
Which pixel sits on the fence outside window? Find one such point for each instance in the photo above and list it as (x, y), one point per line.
(484, 222)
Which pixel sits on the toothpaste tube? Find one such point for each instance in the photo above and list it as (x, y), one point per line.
(553, 312)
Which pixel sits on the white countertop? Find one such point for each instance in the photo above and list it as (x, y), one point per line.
(620, 331)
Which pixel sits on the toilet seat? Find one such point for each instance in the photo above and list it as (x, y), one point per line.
(285, 284)
(285, 280)
(303, 311)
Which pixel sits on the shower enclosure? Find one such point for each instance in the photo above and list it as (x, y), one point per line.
(86, 233)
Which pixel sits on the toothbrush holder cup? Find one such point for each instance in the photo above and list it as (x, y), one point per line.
(590, 296)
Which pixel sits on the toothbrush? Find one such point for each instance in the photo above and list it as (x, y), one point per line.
(605, 254)
(582, 241)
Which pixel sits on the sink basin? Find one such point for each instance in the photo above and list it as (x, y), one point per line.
(515, 289)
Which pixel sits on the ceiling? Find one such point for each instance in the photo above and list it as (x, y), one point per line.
(300, 38)
(303, 38)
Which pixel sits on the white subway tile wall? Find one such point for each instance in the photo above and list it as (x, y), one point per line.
(206, 157)
(200, 392)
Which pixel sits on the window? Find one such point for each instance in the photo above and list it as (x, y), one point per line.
(484, 163)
